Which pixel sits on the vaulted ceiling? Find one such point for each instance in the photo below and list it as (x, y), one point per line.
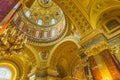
(84, 16)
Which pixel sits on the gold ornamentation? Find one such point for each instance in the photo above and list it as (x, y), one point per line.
(11, 41)
(97, 48)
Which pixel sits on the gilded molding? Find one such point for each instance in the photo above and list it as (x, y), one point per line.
(97, 48)
(72, 10)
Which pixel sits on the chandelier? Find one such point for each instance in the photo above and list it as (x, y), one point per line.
(12, 41)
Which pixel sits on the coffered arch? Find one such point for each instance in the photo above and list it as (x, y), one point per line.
(99, 7)
(31, 54)
(64, 52)
(110, 13)
(76, 14)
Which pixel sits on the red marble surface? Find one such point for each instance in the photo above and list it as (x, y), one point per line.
(5, 7)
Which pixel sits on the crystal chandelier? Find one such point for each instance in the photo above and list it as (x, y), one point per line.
(12, 41)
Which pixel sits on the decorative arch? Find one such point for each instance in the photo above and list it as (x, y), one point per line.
(99, 7)
(9, 70)
(17, 62)
(76, 14)
(107, 14)
(36, 57)
(66, 50)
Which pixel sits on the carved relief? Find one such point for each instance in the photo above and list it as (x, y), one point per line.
(97, 48)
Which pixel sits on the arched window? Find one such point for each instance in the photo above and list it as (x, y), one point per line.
(39, 22)
(27, 13)
(53, 21)
(5, 73)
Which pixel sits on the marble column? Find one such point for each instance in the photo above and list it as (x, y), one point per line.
(88, 73)
(116, 61)
(94, 68)
(110, 63)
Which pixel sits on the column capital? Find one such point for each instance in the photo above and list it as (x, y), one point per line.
(97, 48)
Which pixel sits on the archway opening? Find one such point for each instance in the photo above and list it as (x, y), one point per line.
(62, 57)
(5, 73)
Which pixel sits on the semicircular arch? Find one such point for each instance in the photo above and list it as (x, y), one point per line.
(68, 48)
(13, 67)
(107, 14)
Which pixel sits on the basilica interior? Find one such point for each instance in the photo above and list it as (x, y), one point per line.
(59, 39)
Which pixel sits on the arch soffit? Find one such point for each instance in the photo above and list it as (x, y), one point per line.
(34, 52)
(99, 7)
(108, 13)
(76, 14)
(67, 40)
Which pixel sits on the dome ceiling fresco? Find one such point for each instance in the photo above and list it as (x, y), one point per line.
(41, 14)
(42, 21)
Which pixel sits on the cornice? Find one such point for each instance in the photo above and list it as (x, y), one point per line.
(97, 48)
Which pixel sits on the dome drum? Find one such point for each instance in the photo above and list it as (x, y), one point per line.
(39, 23)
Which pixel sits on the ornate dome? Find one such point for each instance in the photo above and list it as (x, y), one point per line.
(42, 20)
(44, 15)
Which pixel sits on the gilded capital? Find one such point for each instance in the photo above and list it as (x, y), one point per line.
(97, 48)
